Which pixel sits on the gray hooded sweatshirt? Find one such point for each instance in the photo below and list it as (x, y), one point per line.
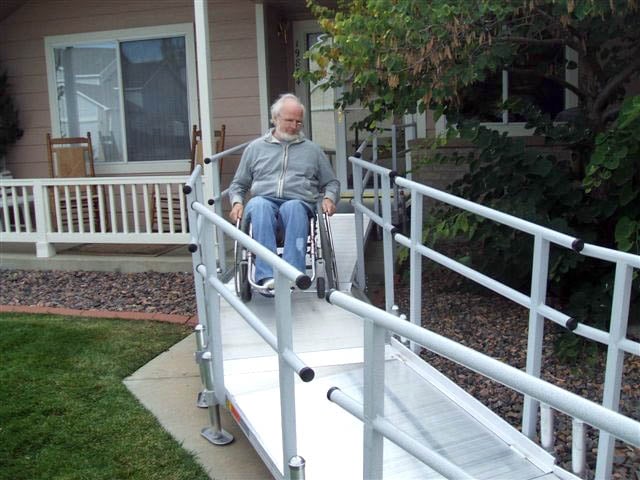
(290, 170)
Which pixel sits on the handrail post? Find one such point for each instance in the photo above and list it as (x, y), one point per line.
(213, 323)
(286, 373)
(539, 277)
(220, 240)
(359, 229)
(415, 265)
(208, 331)
(408, 137)
(578, 450)
(297, 466)
(376, 183)
(373, 398)
(387, 244)
(43, 224)
(547, 433)
(194, 194)
(394, 167)
(615, 362)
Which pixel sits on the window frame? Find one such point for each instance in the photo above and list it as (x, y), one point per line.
(517, 129)
(131, 34)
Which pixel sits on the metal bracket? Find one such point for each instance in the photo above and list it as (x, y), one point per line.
(198, 356)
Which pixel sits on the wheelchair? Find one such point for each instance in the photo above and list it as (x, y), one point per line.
(320, 258)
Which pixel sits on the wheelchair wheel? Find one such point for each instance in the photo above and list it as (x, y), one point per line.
(326, 244)
(243, 287)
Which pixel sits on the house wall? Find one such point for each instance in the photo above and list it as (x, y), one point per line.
(22, 54)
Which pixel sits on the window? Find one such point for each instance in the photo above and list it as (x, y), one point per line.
(487, 97)
(134, 90)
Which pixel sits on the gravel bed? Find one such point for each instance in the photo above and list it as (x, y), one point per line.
(480, 321)
(150, 292)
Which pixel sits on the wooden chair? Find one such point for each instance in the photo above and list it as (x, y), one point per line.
(70, 158)
(196, 156)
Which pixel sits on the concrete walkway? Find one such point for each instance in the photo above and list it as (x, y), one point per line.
(167, 387)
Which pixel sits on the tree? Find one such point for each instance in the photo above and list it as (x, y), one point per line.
(403, 56)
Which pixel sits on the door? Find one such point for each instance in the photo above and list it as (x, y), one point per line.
(322, 123)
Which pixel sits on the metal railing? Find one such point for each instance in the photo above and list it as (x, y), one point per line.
(207, 225)
(218, 194)
(371, 412)
(399, 157)
(149, 209)
(536, 391)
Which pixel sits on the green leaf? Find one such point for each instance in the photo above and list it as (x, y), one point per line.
(542, 167)
(627, 194)
(612, 163)
(624, 227)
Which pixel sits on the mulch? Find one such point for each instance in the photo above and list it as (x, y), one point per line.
(149, 292)
(475, 319)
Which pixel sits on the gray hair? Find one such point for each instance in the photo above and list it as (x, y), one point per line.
(277, 105)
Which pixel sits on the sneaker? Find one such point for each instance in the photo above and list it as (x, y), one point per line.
(268, 285)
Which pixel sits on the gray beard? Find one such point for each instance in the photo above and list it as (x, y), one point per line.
(288, 137)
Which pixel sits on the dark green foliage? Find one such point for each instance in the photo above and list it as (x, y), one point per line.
(402, 56)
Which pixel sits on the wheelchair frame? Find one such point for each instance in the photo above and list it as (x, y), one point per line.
(320, 250)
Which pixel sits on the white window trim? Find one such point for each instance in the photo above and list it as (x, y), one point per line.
(517, 129)
(143, 33)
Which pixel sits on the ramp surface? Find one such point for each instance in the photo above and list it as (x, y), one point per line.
(418, 400)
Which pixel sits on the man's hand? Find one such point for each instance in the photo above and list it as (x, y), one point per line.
(236, 212)
(328, 206)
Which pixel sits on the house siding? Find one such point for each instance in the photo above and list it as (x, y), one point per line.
(22, 54)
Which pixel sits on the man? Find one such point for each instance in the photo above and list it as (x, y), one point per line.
(287, 175)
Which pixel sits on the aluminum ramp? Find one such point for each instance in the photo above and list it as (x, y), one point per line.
(418, 399)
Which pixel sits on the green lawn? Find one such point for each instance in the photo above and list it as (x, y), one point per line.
(64, 411)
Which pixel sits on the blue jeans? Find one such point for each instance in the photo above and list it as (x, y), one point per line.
(267, 215)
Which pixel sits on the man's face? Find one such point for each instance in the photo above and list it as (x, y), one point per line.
(289, 122)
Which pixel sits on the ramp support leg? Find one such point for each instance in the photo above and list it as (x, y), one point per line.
(215, 433)
(201, 401)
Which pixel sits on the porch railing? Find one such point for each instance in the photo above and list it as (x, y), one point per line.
(150, 209)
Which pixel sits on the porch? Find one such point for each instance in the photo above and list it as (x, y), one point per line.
(98, 257)
(111, 224)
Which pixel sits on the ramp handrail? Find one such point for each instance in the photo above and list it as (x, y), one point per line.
(590, 412)
(205, 225)
(427, 456)
(615, 338)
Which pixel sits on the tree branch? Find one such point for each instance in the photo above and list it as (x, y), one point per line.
(563, 83)
(609, 89)
(610, 113)
(547, 42)
(533, 41)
